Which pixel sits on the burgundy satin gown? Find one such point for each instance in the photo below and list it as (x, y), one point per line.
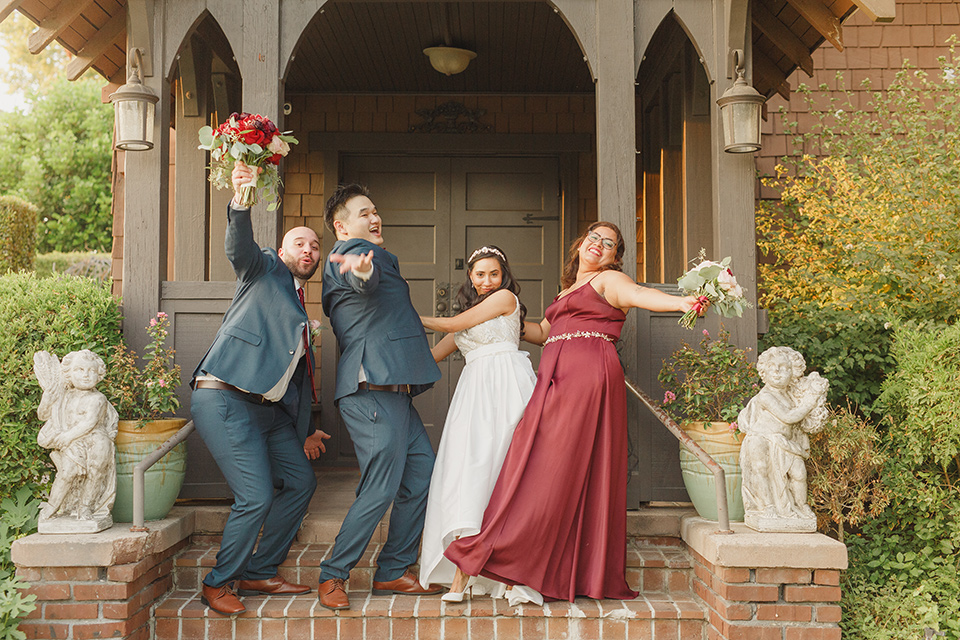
(556, 521)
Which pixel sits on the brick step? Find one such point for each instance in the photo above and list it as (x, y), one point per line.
(654, 616)
(654, 565)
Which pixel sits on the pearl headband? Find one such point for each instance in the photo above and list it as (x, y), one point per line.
(486, 249)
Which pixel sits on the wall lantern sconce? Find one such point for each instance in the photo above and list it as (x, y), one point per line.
(740, 108)
(449, 60)
(134, 107)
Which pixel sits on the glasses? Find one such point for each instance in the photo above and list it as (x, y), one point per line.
(606, 242)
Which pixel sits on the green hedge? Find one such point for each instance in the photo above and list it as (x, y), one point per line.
(18, 234)
(59, 314)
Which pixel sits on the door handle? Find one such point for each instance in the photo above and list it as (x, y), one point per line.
(529, 218)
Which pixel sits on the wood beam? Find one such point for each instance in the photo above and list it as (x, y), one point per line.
(56, 22)
(782, 37)
(876, 10)
(7, 7)
(822, 19)
(96, 45)
(141, 34)
(764, 68)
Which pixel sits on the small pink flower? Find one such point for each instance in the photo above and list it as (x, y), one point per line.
(153, 322)
(706, 333)
(162, 382)
(733, 426)
(668, 397)
(161, 314)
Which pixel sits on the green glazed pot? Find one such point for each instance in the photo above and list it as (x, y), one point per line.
(723, 445)
(162, 481)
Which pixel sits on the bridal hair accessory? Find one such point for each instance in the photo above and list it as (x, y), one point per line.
(486, 249)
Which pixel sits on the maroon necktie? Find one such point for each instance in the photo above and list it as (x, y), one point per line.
(308, 345)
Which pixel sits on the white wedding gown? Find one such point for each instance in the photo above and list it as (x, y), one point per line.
(491, 395)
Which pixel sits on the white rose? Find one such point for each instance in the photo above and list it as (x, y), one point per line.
(278, 146)
(727, 281)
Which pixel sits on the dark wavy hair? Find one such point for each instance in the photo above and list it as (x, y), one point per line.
(572, 264)
(468, 297)
(337, 203)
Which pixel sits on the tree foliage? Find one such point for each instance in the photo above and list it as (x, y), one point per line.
(867, 230)
(56, 148)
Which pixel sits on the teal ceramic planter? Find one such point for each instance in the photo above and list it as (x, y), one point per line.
(723, 445)
(162, 481)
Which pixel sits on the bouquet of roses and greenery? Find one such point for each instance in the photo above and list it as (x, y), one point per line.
(255, 141)
(715, 285)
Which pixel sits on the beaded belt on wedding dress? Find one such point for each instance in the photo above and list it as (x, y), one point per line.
(578, 334)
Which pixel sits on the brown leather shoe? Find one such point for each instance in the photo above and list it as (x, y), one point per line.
(407, 584)
(275, 586)
(332, 594)
(223, 600)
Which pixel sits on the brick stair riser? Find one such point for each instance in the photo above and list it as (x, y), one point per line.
(659, 569)
(427, 618)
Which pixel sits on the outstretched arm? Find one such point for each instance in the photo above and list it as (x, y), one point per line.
(622, 292)
(241, 249)
(499, 303)
(358, 270)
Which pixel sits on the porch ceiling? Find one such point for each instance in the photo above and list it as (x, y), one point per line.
(377, 46)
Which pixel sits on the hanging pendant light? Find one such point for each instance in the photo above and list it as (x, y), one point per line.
(740, 108)
(134, 107)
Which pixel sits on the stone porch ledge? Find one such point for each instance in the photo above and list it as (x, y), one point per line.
(766, 585)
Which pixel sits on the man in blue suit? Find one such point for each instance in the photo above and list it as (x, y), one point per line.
(251, 405)
(384, 361)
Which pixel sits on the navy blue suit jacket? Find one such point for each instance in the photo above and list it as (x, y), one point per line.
(375, 324)
(263, 326)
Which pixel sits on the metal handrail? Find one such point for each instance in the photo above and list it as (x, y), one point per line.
(141, 468)
(694, 448)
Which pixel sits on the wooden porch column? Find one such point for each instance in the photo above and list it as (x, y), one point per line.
(616, 141)
(734, 229)
(262, 90)
(145, 194)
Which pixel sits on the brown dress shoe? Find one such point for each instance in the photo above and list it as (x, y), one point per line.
(275, 586)
(407, 584)
(333, 594)
(223, 600)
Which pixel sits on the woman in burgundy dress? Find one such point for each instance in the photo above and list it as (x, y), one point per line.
(556, 522)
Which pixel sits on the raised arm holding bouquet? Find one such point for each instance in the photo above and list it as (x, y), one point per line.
(714, 285)
(254, 140)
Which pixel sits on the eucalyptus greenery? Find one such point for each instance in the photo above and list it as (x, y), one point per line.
(711, 383)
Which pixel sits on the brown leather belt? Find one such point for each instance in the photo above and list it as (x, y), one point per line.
(223, 386)
(392, 388)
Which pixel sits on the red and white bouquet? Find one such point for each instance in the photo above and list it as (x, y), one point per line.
(254, 140)
(714, 284)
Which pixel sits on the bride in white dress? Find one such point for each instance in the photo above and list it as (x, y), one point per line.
(491, 395)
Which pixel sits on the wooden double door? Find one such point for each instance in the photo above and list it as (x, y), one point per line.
(436, 210)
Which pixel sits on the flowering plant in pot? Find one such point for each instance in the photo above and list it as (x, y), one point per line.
(705, 387)
(146, 398)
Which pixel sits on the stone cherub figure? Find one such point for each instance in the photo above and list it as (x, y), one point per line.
(80, 427)
(777, 422)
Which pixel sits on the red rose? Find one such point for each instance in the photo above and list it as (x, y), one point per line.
(275, 158)
(254, 136)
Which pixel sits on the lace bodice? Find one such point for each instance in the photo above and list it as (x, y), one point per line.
(493, 331)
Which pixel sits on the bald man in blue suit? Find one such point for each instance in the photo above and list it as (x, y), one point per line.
(251, 405)
(384, 361)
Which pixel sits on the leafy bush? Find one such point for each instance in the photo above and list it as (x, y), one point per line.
(709, 384)
(59, 315)
(18, 234)
(904, 564)
(18, 519)
(74, 263)
(845, 465)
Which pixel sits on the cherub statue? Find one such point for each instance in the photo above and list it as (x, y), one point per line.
(80, 427)
(777, 422)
